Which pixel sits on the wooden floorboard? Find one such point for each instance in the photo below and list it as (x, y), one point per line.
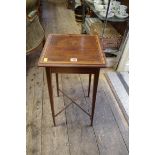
(54, 139)
(72, 135)
(56, 18)
(81, 135)
(34, 110)
(29, 107)
(109, 137)
(120, 119)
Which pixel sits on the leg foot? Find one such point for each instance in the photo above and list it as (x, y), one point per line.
(57, 82)
(89, 85)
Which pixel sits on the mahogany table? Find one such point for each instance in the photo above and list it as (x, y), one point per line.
(74, 54)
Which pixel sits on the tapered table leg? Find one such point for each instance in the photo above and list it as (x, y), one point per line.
(50, 90)
(95, 84)
(57, 82)
(89, 85)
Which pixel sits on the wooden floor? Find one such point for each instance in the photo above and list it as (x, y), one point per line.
(72, 135)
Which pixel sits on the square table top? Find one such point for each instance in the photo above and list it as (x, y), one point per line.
(72, 50)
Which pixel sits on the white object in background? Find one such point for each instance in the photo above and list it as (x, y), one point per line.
(121, 15)
(97, 1)
(124, 62)
(106, 1)
(122, 7)
(98, 7)
(115, 5)
(90, 1)
(77, 3)
(110, 7)
(110, 14)
(121, 12)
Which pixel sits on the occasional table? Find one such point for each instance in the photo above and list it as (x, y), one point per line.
(72, 54)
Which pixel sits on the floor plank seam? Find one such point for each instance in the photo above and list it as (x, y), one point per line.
(30, 116)
(96, 140)
(66, 119)
(92, 126)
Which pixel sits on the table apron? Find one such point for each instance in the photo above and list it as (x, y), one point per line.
(74, 70)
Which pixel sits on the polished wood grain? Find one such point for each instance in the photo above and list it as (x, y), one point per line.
(72, 50)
